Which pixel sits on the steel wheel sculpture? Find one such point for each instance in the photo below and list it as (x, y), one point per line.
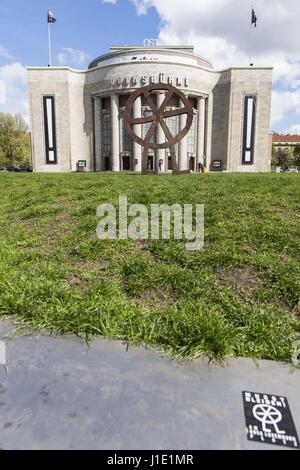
(157, 118)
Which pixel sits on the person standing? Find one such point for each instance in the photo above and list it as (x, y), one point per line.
(200, 167)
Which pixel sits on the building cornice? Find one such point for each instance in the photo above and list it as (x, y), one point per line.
(84, 71)
(119, 51)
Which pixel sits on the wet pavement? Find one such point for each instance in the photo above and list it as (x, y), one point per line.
(60, 393)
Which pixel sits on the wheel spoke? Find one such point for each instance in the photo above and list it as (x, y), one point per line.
(150, 102)
(175, 112)
(166, 130)
(151, 131)
(142, 120)
(166, 101)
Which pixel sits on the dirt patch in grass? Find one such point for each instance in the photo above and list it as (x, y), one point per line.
(75, 280)
(29, 223)
(246, 277)
(143, 246)
(60, 219)
(54, 229)
(285, 255)
(98, 264)
(155, 298)
(297, 311)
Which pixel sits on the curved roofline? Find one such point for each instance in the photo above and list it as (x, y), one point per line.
(228, 69)
(120, 50)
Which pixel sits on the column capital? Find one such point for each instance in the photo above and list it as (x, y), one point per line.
(114, 96)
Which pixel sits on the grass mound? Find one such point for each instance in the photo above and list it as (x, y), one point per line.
(239, 296)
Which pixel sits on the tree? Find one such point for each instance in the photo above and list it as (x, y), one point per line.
(14, 140)
(280, 158)
(297, 155)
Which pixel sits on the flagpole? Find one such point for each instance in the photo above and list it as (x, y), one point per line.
(49, 41)
(251, 38)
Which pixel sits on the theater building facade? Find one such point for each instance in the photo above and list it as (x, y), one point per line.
(77, 115)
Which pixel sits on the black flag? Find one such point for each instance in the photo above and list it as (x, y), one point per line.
(51, 17)
(254, 18)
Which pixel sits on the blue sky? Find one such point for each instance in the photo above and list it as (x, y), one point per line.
(90, 26)
(219, 29)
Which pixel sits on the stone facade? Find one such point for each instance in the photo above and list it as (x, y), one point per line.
(88, 109)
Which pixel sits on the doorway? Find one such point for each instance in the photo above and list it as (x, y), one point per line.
(150, 164)
(107, 164)
(126, 163)
(192, 164)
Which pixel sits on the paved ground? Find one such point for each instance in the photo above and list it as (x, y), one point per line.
(61, 394)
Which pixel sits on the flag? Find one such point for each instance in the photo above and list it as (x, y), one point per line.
(51, 17)
(254, 18)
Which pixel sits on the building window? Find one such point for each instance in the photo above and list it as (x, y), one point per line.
(173, 125)
(106, 133)
(126, 143)
(249, 130)
(49, 129)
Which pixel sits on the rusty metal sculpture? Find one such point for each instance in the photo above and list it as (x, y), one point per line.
(157, 118)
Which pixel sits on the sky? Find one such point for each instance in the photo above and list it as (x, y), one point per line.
(219, 30)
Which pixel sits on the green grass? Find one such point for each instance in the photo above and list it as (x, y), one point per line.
(239, 296)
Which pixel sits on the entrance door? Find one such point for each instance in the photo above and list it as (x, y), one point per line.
(192, 164)
(126, 163)
(107, 164)
(150, 165)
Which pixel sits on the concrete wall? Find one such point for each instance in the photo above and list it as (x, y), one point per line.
(257, 82)
(50, 82)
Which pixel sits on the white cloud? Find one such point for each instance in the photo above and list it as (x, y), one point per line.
(283, 103)
(69, 56)
(2, 93)
(219, 30)
(14, 89)
(142, 6)
(293, 130)
(113, 2)
(4, 54)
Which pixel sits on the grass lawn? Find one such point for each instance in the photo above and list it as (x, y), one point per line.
(239, 296)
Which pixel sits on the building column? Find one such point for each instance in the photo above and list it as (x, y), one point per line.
(208, 130)
(137, 148)
(183, 144)
(115, 133)
(160, 137)
(98, 164)
(201, 130)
